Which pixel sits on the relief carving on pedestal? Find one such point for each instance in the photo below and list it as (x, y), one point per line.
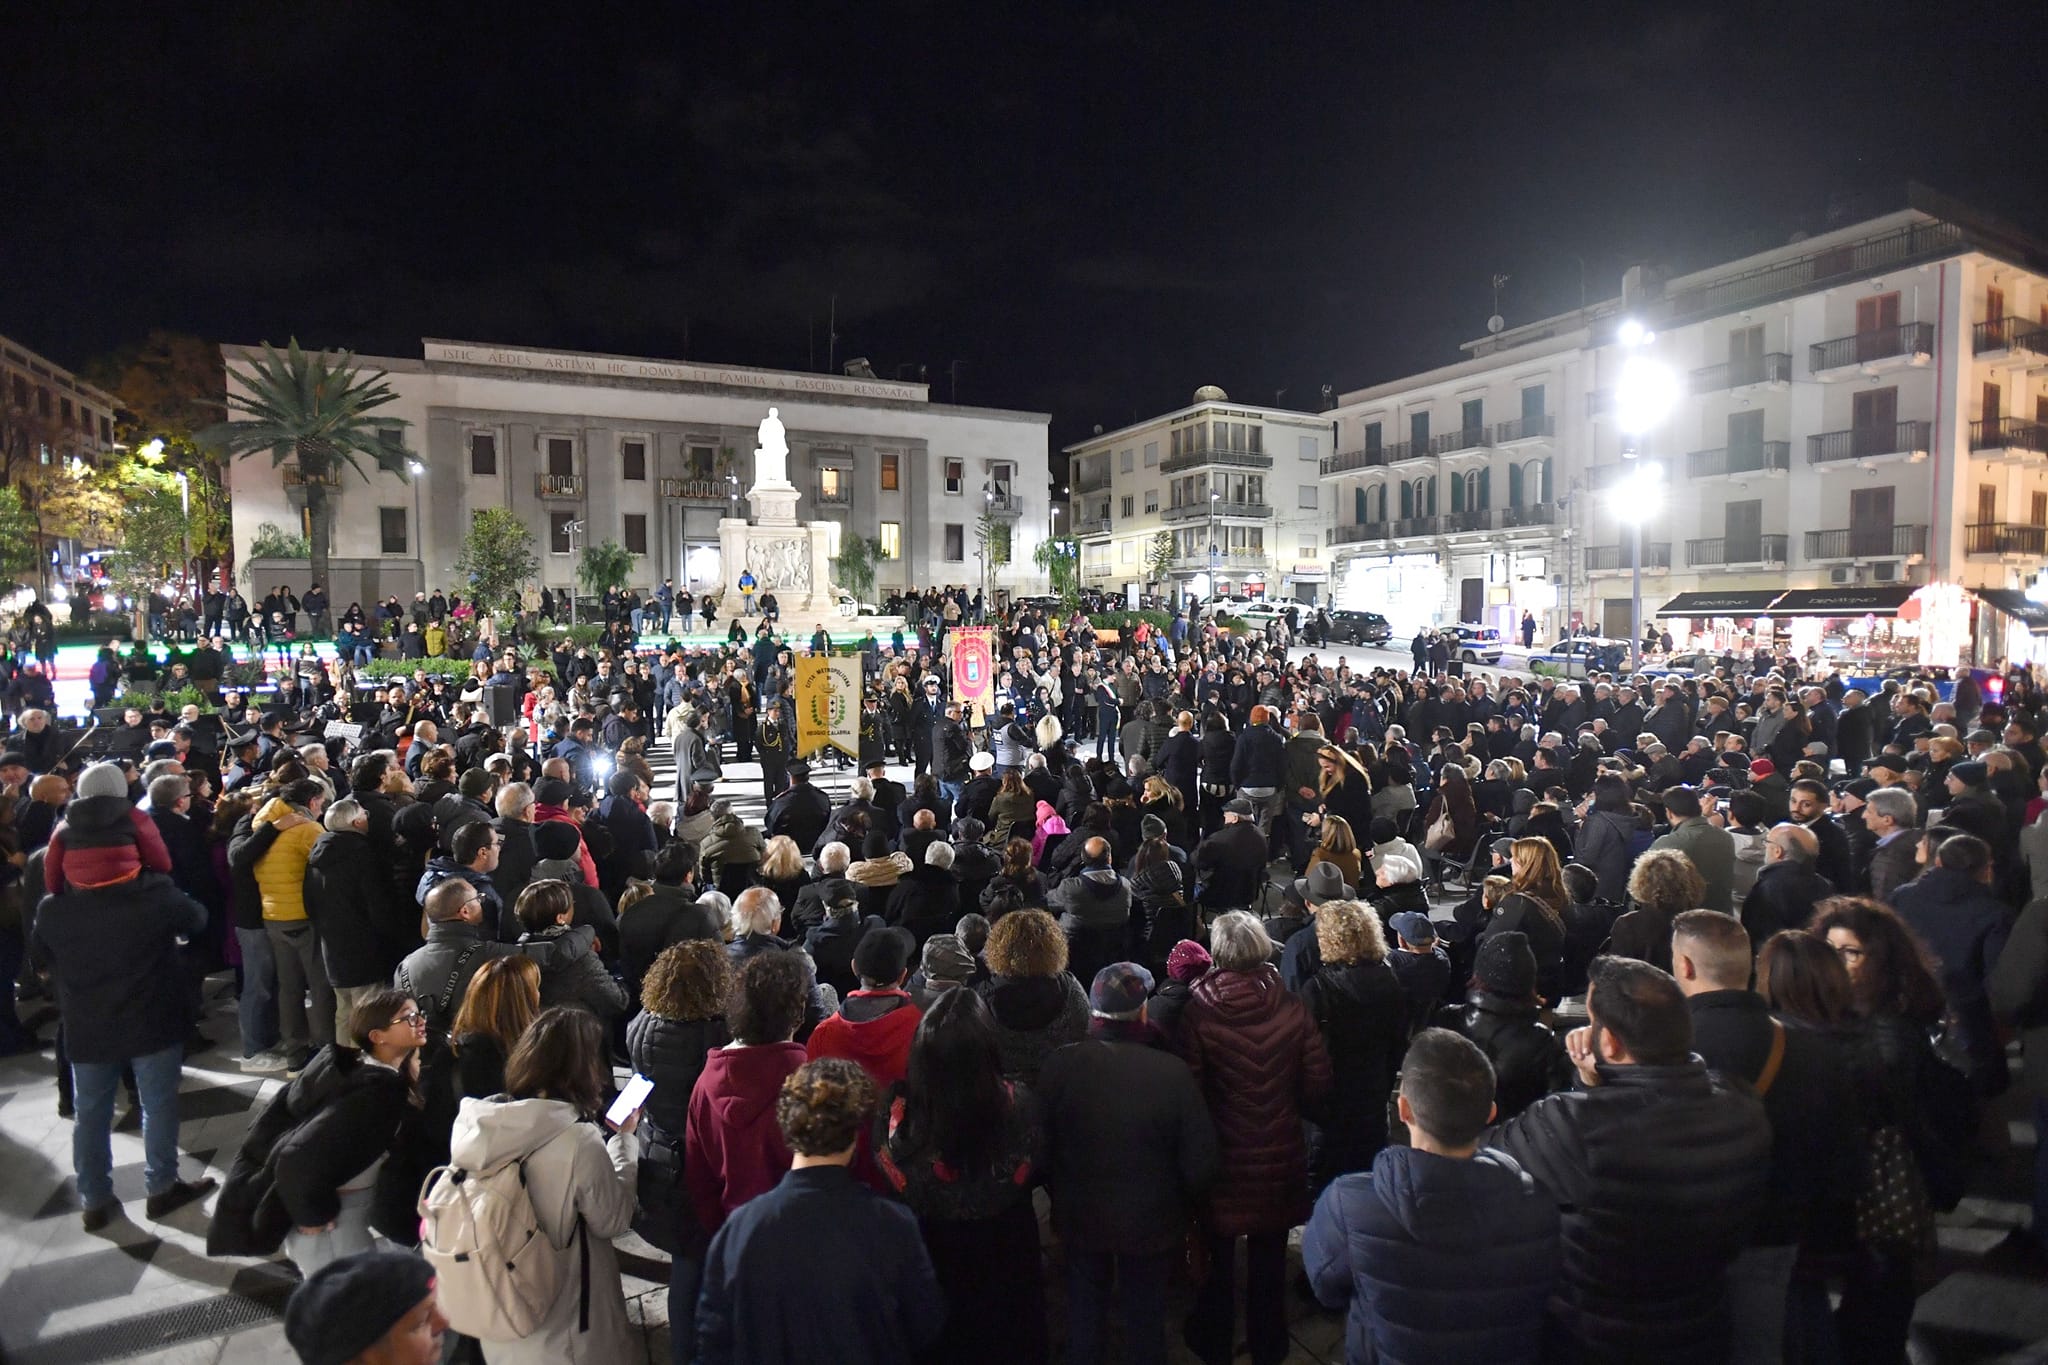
(781, 565)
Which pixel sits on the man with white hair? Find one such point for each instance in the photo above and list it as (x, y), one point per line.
(517, 852)
(348, 894)
(757, 922)
(1893, 815)
(1787, 887)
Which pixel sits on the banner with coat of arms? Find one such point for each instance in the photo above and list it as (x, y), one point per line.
(974, 673)
(828, 704)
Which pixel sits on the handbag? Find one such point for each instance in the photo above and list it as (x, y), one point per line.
(1442, 833)
(1892, 1210)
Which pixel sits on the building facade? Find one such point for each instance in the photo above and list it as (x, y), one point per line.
(49, 417)
(653, 453)
(1234, 489)
(1857, 414)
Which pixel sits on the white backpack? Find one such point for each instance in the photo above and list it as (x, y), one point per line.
(498, 1273)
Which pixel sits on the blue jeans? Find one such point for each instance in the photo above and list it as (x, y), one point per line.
(1758, 1285)
(257, 1007)
(92, 1154)
(951, 791)
(685, 1279)
(1141, 1284)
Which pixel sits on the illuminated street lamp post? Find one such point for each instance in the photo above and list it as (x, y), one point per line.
(1644, 397)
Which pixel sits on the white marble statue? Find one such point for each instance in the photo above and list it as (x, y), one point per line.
(771, 452)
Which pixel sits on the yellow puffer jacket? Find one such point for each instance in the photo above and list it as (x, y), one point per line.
(281, 873)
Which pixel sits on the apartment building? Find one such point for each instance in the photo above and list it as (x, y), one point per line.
(51, 409)
(652, 454)
(1858, 415)
(1216, 498)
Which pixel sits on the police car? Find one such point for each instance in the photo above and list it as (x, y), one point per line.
(1580, 657)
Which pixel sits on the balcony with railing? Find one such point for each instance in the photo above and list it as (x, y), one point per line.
(2011, 434)
(1091, 483)
(1352, 535)
(836, 495)
(1465, 441)
(1773, 367)
(1533, 514)
(1909, 343)
(1721, 550)
(1866, 542)
(1765, 457)
(2013, 338)
(1540, 427)
(1005, 506)
(1615, 558)
(2005, 538)
(1407, 450)
(1198, 459)
(1907, 439)
(698, 490)
(1220, 508)
(1469, 520)
(1350, 461)
(1413, 526)
(558, 485)
(1226, 561)
(296, 477)
(1093, 526)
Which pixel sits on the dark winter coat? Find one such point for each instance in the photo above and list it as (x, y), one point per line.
(1094, 910)
(346, 887)
(1522, 914)
(1162, 915)
(831, 946)
(516, 857)
(1783, 897)
(1362, 1015)
(314, 1135)
(1817, 1138)
(112, 956)
(1443, 1262)
(1131, 1145)
(1966, 925)
(669, 916)
(1649, 1151)
(1261, 1063)
(671, 1053)
(1034, 1016)
(1528, 1059)
(570, 973)
(926, 902)
(1604, 844)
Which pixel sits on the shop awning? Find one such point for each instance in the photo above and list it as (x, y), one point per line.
(1872, 601)
(1721, 603)
(2020, 607)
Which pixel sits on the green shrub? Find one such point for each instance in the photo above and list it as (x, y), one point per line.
(173, 700)
(1128, 620)
(578, 634)
(1235, 625)
(405, 668)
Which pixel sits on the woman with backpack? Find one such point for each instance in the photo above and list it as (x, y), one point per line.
(313, 1167)
(580, 1184)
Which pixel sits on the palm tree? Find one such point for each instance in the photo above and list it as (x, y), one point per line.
(313, 407)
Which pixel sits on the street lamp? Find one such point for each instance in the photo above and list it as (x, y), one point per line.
(1644, 396)
(1215, 553)
(1635, 500)
(572, 530)
(185, 506)
(415, 468)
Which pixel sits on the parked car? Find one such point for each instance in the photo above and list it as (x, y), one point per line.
(1580, 657)
(1474, 644)
(1360, 628)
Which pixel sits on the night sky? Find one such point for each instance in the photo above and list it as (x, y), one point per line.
(1091, 209)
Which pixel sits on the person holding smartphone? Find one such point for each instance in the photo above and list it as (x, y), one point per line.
(582, 1183)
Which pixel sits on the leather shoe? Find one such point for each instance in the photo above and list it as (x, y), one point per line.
(178, 1195)
(95, 1219)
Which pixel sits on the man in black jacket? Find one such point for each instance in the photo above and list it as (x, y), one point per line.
(1787, 886)
(802, 812)
(111, 954)
(1808, 1090)
(1257, 767)
(1232, 861)
(1651, 1142)
(347, 892)
(1132, 1145)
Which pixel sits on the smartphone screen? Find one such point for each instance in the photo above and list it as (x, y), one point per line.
(631, 1098)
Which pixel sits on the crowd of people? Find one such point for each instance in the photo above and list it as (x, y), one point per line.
(1619, 1021)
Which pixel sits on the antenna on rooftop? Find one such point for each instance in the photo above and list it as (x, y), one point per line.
(1496, 322)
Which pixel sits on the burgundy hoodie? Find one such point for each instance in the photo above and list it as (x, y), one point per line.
(732, 1146)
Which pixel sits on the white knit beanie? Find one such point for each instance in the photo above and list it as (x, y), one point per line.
(103, 779)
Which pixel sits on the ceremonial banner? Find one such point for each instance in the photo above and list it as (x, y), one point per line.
(813, 705)
(828, 704)
(974, 674)
(844, 720)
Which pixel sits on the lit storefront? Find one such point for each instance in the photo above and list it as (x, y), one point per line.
(1409, 590)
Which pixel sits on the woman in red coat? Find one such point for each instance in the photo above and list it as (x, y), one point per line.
(1260, 1061)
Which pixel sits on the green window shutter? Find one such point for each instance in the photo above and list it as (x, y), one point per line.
(1457, 494)
(1485, 490)
(1514, 485)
